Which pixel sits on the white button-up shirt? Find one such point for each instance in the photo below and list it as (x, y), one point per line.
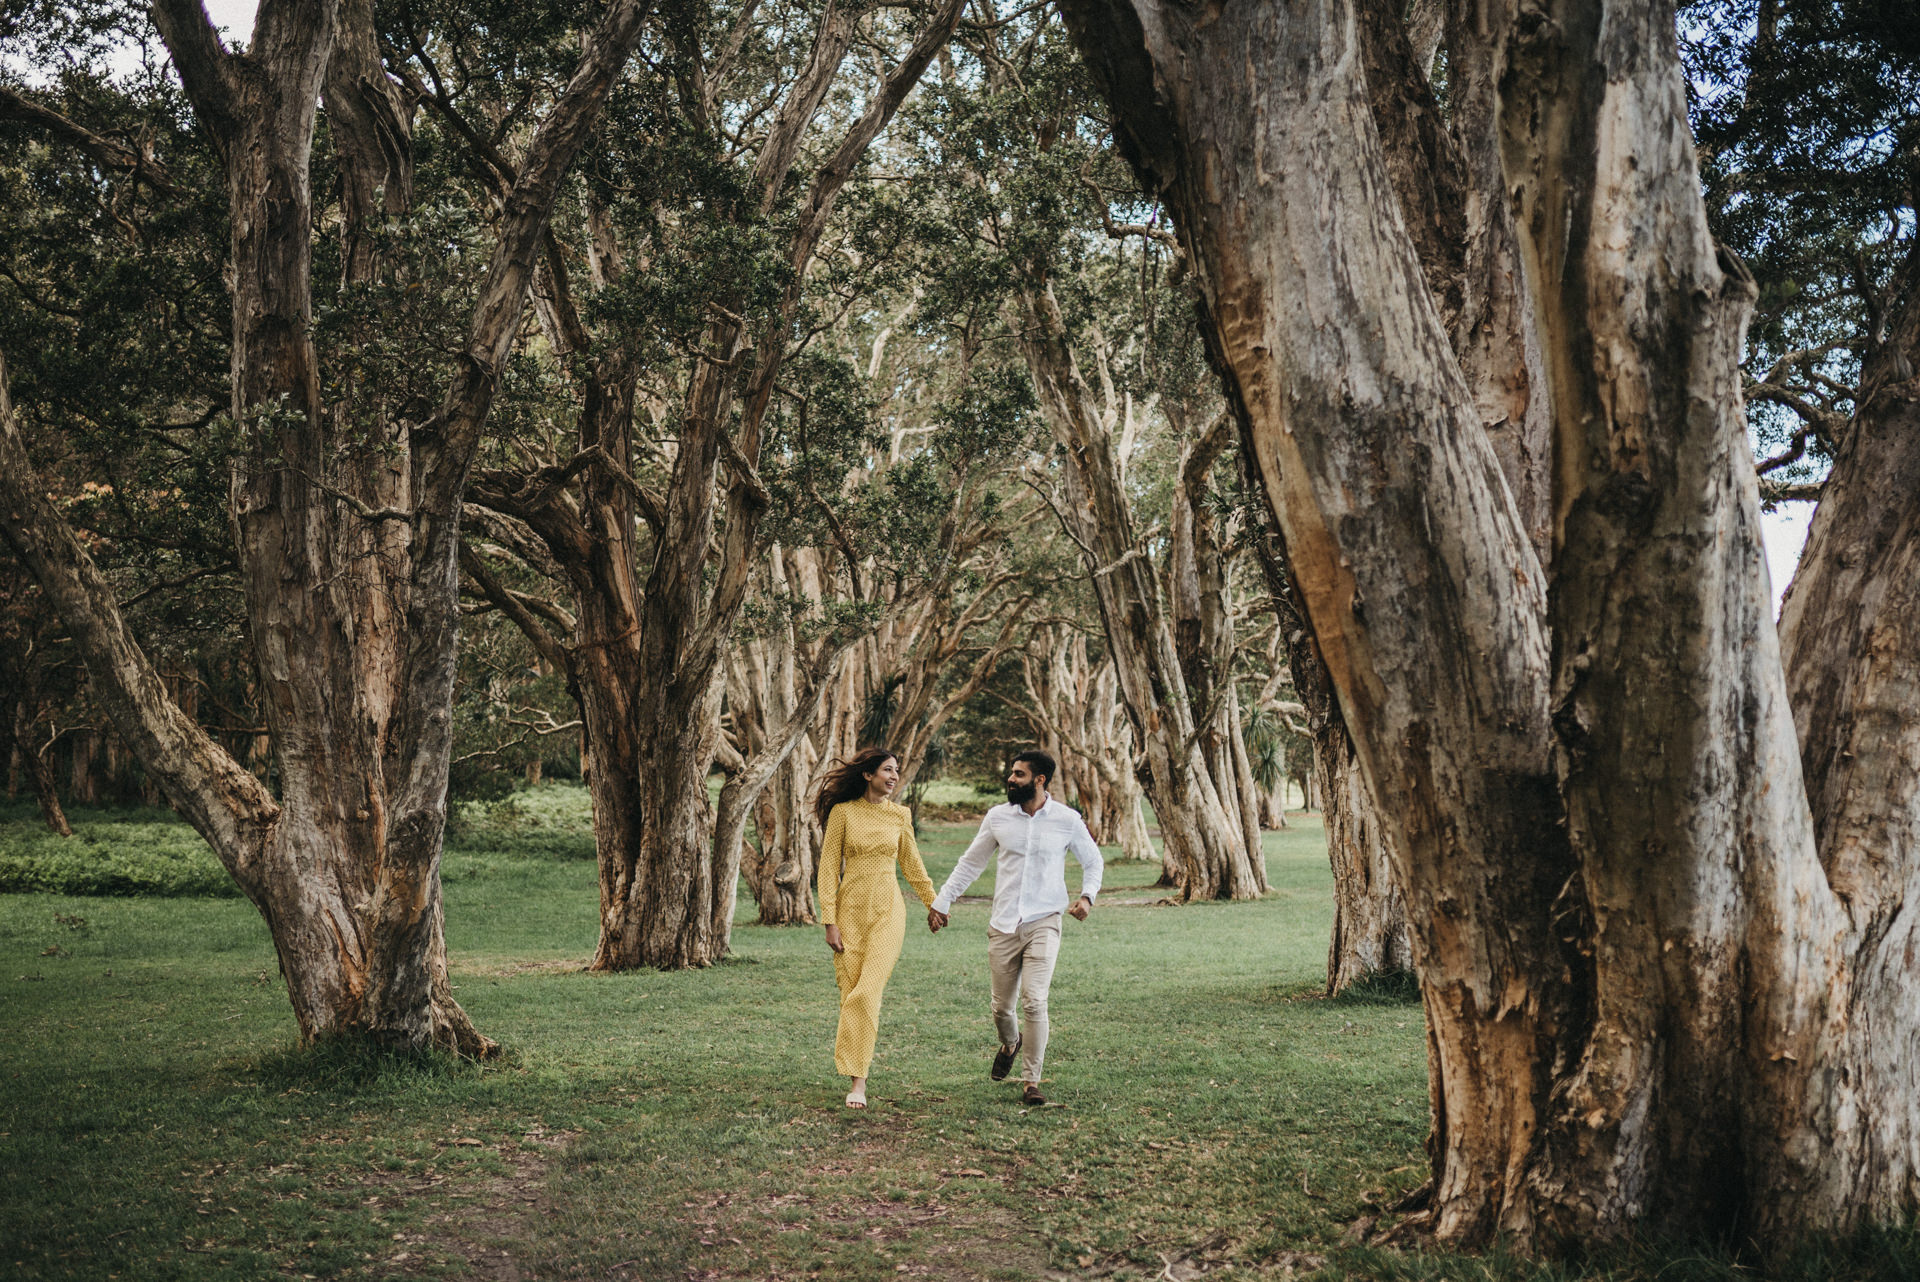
(1031, 878)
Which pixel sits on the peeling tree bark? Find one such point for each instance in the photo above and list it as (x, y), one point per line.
(1205, 846)
(1424, 592)
(1650, 1006)
(1850, 632)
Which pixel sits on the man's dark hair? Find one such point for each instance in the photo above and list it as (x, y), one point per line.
(1038, 762)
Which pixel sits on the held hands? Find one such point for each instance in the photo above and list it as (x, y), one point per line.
(1081, 907)
(833, 939)
(935, 920)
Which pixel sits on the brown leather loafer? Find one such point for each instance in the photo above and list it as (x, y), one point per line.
(1032, 1097)
(1003, 1063)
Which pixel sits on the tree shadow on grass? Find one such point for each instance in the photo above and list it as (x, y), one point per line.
(1381, 988)
(356, 1064)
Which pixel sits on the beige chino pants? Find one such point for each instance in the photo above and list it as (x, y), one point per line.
(1021, 962)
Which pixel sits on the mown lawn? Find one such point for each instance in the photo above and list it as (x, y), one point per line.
(158, 1121)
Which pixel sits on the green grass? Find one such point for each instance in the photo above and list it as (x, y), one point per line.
(157, 1119)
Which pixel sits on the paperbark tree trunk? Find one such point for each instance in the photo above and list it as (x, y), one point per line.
(1850, 633)
(651, 688)
(1205, 845)
(780, 869)
(1074, 708)
(1203, 631)
(1425, 596)
(774, 685)
(346, 548)
(1369, 913)
(1642, 1020)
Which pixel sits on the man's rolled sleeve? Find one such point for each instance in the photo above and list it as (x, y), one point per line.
(968, 870)
(1092, 864)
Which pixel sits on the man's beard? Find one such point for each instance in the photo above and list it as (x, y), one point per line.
(1021, 793)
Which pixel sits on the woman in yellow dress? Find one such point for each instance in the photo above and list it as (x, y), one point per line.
(860, 904)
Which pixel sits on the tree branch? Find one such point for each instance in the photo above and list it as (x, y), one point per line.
(104, 151)
(206, 69)
(223, 800)
(509, 603)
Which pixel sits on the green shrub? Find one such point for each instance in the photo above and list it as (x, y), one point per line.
(153, 852)
(135, 852)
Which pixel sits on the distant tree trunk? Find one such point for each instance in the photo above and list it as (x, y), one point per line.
(774, 684)
(1369, 913)
(780, 872)
(1073, 706)
(83, 786)
(20, 736)
(1206, 848)
(1369, 916)
(23, 697)
(1203, 630)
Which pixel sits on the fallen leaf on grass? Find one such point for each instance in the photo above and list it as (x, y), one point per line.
(968, 1173)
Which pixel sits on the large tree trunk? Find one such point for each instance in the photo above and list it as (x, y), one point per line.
(1639, 1020)
(1205, 843)
(1851, 636)
(1424, 593)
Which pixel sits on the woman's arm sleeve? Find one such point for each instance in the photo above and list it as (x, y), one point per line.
(831, 850)
(911, 864)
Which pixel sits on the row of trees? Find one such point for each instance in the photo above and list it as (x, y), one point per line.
(729, 443)
(749, 381)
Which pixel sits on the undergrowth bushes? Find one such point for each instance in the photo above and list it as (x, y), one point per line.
(152, 852)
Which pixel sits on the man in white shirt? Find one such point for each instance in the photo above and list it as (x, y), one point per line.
(1033, 834)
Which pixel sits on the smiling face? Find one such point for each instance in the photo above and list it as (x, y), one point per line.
(883, 781)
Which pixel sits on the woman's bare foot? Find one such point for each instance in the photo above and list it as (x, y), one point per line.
(857, 1097)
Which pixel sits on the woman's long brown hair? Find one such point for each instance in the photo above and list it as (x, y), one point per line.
(848, 780)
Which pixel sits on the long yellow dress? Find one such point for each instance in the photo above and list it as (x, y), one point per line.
(865, 841)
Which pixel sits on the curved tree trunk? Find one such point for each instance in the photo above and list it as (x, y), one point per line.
(1205, 843)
